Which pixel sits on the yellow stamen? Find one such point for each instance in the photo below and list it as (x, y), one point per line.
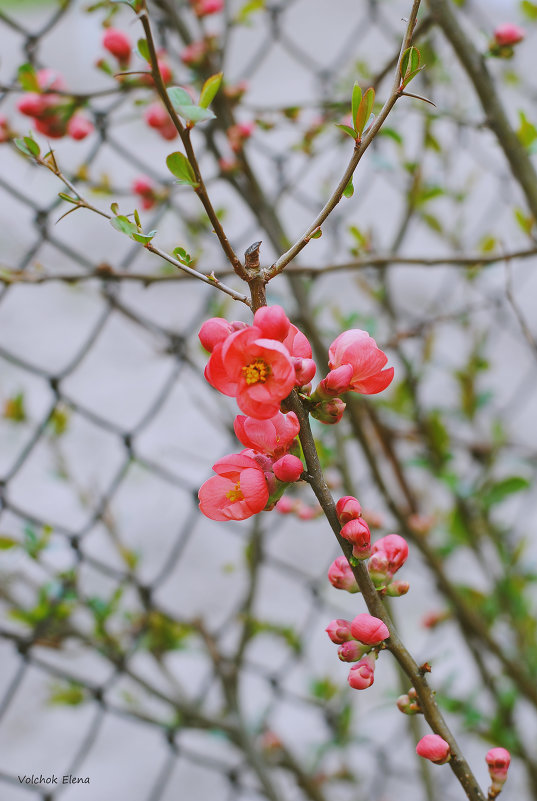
(235, 494)
(256, 372)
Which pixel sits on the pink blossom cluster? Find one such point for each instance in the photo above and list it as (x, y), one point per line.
(297, 507)
(386, 556)
(258, 365)
(358, 642)
(158, 118)
(54, 115)
(146, 191)
(119, 45)
(504, 39)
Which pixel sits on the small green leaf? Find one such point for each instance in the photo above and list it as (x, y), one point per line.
(529, 9)
(114, 208)
(502, 489)
(143, 238)
(143, 49)
(28, 78)
(410, 64)
(32, 145)
(180, 167)
(195, 113)
(349, 189)
(179, 96)
(124, 225)
(316, 234)
(21, 145)
(68, 198)
(355, 102)
(137, 219)
(364, 111)
(7, 542)
(248, 9)
(210, 89)
(348, 130)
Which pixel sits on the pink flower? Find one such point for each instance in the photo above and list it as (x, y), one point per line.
(498, 761)
(351, 651)
(215, 330)
(194, 53)
(158, 118)
(508, 34)
(239, 490)
(348, 508)
(378, 568)
(118, 44)
(257, 371)
(54, 126)
(433, 747)
(288, 469)
(273, 322)
(203, 8)
(339, 631)
(357, 349)
(357, 533)
(79, 127)
(340, 575)
(145, 188)
(397, 588)
(368, 629)
(273, 437)
(362, 674)
(394, 548)
(305, 512)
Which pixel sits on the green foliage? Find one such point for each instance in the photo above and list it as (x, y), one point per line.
(180, 167)
(185, 106)
(68, 693)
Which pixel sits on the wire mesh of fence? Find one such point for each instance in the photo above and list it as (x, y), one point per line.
(146, 648)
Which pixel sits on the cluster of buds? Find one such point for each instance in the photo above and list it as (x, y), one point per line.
(408, 704)
(297, 507)
(386, 556)
(158, 118)
(504, 39)
(358, 642)
(498, 761)
(54, 115)
(119, 45)
(146, 191)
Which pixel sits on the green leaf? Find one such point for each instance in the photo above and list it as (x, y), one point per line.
(7, 542)
(527, 132)
(364, 111)
(317, 234)
(143, 49)
(529, 9)
(28, 146)
(348, 130)
(114, 208)
(502, 489)
(195, 113)
(248, 9)
(349, 189)
(180, 167)
(68, 198)
(355, 102)
(210, 89)
(410, 64)
(179, 96)
(28, 78)
(143, 238)
(124, 225)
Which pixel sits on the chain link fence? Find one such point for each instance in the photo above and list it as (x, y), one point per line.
(145, 648)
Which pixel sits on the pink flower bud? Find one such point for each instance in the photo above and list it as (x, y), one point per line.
(357, 348)
(348, 508)
(329, 412)
(378, 569)
(305, 512)
(214, 331)
(203, 8)
(498, 761)
(433, 747)
(273, 322)
(289, 468)
(339, 631)
(352, 651)
(336, 382)
(508, 35)
(118, 44)
(368, 629)
(54, 126)
(340, 575)
(285, 506)
(397, 588)
(79, 127)
(194, 53)
(156, 116)
(48, 79)
(32, 104)
(394, 548)
(362, 674)
(407, 706)
(305, 370)
(357, 533)
(165, 71)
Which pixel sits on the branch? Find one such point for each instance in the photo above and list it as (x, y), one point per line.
(497, 120)
(359, 150)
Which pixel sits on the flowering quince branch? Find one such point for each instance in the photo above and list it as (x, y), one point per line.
(360, 148)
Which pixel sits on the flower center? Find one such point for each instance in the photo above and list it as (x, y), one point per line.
(235, 494)
(256, 372)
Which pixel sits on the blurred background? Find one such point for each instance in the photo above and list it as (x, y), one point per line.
(166, 656)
